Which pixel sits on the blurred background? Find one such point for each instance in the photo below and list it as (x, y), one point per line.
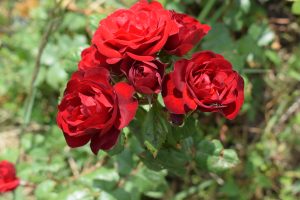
(40, 45)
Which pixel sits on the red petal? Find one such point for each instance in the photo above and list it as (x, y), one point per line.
(140, 58)
(174, 99)
(204, 56)
(104, 141)
(9, 186)
(206, 28)
(112, 61)
(99, 75)
(158, 46)
(127, 104)
(232, 111)
(74, 142)
(107, 51)
(219, 64)
(179, 73)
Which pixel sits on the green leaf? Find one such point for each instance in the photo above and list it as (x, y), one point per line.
(225, 160)
(147, 181)
(124, 162)
(105, 185)
(163, 2)
(213, 157)
(105, 174)
(230, 188)
(171, 159)
(104, 178)
(56, 77)
(263, 180)
(273, 57)
(154, 129)
(10, 154)
(172, 5)
(178, 134)
(234, 19)
(261, 33)
(74, 21)
(77, 194)
(296, 7)
(44, 190)
(245, 5)
(95, 19)
(121, 194)
(218, 39)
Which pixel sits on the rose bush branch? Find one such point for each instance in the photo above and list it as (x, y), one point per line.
(55, 18)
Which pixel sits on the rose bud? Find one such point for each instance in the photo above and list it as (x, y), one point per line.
(93, 110)
(139, 32)
(145, 76)
(176, 119)
(206, 82)
(8, 178)
(190, 33)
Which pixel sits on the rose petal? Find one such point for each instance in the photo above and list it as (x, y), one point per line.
(107, 51)
(179, 73)
(99, 75)
(173, 98)
(140, 58)
(74, 141)
(9, 186)
(232, 111)
(127, 104)
(105, 140)
(203, 56)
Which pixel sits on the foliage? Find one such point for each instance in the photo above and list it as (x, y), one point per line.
(153, 159)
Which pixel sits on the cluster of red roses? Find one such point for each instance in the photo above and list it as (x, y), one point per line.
(127, 44)
(8, 179)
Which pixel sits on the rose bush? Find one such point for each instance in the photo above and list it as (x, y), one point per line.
(129, 44)
(8, 179)
(206, 82)
(94, 110)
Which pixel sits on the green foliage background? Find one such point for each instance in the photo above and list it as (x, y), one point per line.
(255, 156)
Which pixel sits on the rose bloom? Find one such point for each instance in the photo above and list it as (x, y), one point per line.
(206, 82)
(190, 33)
(93, 110)
(8, 178)
(139, 32)
(145, 76)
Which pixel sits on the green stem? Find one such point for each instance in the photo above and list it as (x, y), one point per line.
(206, 10)
(220, 12)
(32, 90)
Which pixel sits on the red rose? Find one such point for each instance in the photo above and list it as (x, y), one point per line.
(190, 33)
(145, 76)
(138, 32)
(93, 110)
(8, 178)
(206, 82)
